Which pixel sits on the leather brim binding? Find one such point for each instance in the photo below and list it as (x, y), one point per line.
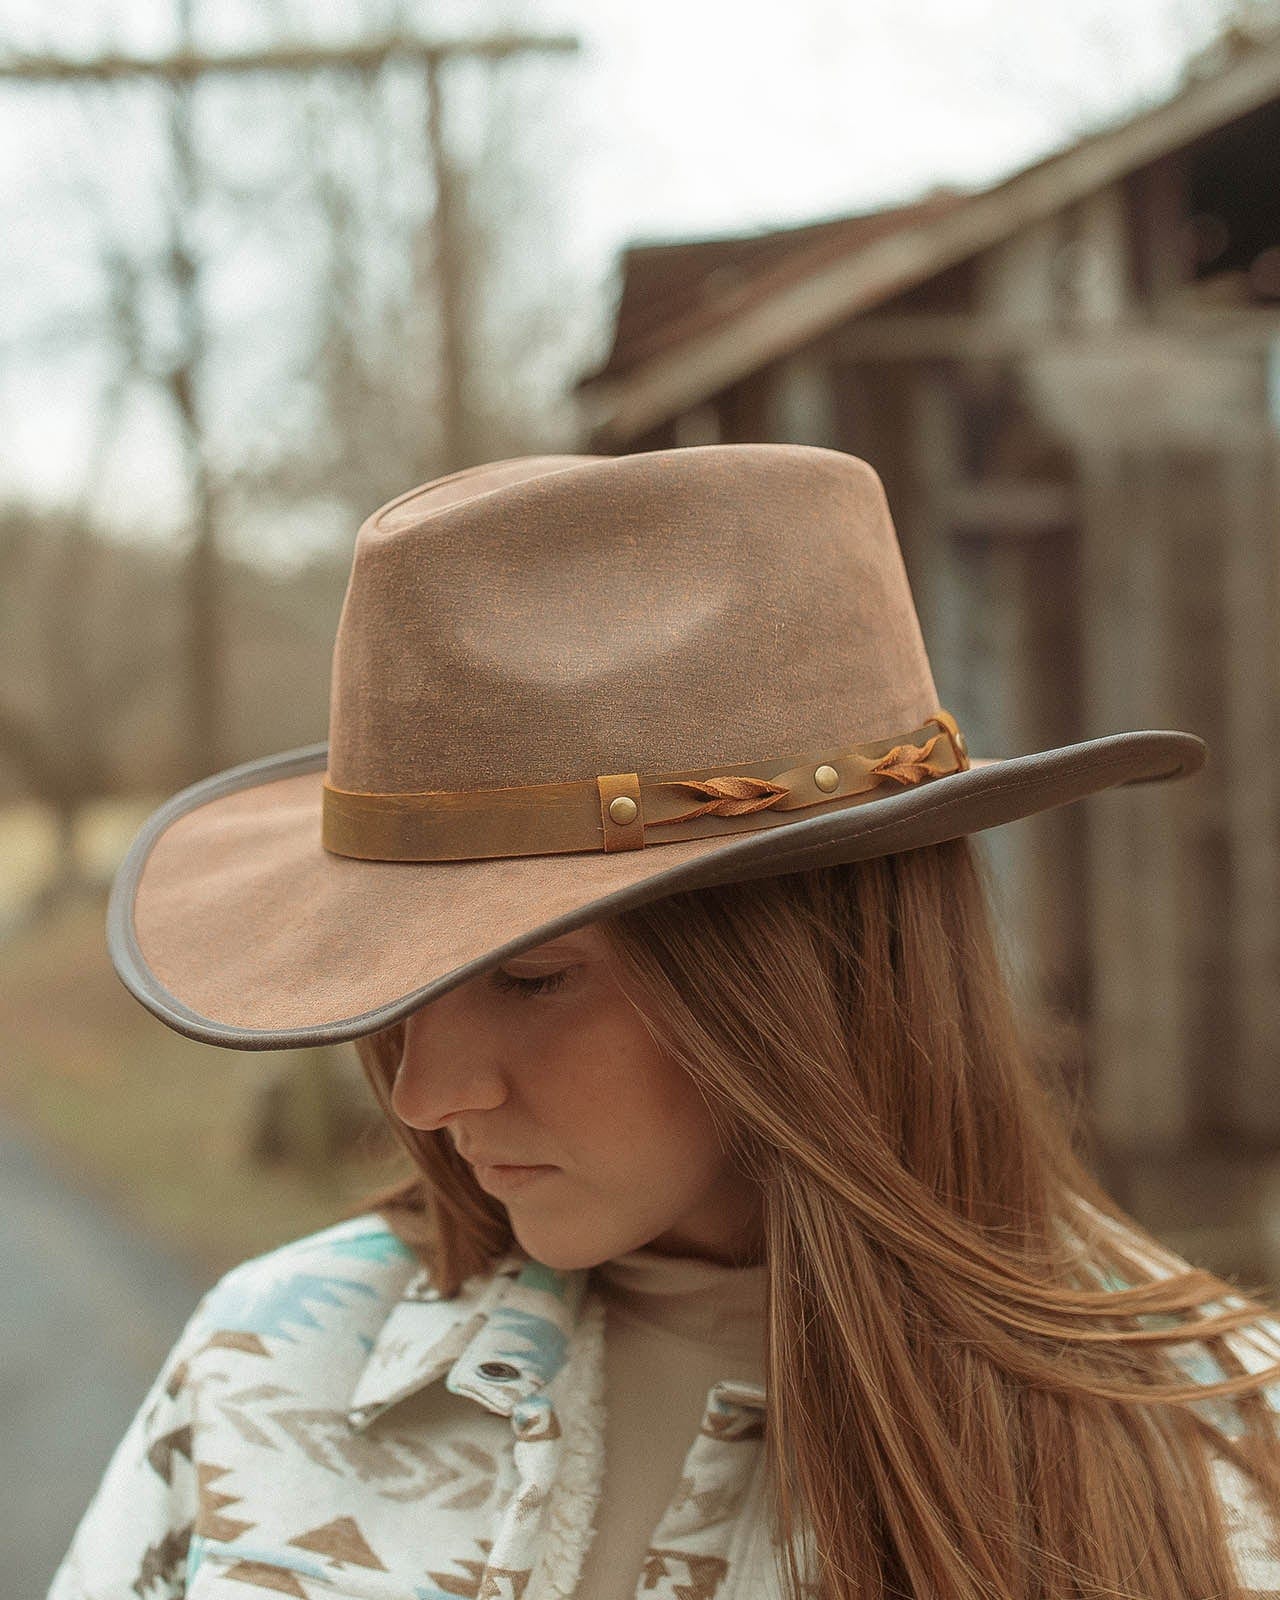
(230, 922)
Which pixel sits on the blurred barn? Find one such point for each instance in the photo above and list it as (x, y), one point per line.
(1070, 384)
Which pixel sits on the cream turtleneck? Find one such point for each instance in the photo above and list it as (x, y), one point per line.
(674, 1326)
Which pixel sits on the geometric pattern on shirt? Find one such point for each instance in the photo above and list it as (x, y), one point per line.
(453, 1586)
(539, 1344)
(536, 1419)
(400, 1466)
(342, 1541)
(682, 1575)
(266, 1576)
(210, 1521)
(286, 1455)
(163, 1562)
(733, 1425)
(161, 1453)
(254, 1304)
(715, 1502)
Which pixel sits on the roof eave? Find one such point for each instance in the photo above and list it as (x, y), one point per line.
(615, 409)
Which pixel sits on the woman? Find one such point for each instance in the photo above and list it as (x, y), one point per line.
(750, 1247)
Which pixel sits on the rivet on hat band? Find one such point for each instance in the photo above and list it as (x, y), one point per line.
(593, 814)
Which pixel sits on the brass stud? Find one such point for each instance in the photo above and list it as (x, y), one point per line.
(622, 808)
(826, 779)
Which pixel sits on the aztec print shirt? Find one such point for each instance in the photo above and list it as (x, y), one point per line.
(297, 1441)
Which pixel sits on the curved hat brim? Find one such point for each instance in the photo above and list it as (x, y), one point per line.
(231, 922)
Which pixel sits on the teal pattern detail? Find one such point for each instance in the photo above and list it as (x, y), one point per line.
(720, 1407)
(246, 1305)
(1193, 1358)
(545, 1344)
(275, 1556)
(535, 1276)
(1198, 1364)
(375, 1246)
(531, 1414)
(195, 1555)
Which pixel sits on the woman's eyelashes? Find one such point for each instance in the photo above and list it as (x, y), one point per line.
(543, 984)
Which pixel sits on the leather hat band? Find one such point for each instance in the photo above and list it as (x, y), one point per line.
(626, 811)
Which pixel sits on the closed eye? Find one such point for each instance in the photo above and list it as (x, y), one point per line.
(543, 984)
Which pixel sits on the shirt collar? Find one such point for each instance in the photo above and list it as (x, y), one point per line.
(503, 1337)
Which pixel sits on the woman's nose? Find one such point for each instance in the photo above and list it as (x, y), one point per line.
(448, 1068)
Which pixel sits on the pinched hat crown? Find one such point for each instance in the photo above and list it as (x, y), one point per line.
(680, 609)
(563, 660)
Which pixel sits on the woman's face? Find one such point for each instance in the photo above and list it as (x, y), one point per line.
(545, 1061)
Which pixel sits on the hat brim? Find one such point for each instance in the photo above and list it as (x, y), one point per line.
(231, 922)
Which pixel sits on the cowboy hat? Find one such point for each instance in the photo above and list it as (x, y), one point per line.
(563, 686)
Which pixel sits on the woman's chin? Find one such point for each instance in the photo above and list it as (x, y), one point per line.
(558, 1250)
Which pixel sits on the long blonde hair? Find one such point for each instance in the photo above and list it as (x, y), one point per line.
(971, 1391)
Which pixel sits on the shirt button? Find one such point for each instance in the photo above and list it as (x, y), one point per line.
(499, 1371)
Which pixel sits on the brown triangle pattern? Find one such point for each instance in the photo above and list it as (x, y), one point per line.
(233, 1408)
(342, 1541)
(160, 1455)
(734, 1427)
(210, 1523)
(233, 1339)
(398, 1465)
(493, 1586)
(267, 1577)
(478, 1490)
(529, 1502)
(540, 1425)
(176, 1380)
(713, 1505)
(164, 1561)
(702, 1575)
(467, 1588)
(407, 1469)
(325, 1437)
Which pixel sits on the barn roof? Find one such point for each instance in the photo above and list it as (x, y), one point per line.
(697, 315)
(672, 291)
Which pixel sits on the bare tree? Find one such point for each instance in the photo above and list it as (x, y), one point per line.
(357, 384)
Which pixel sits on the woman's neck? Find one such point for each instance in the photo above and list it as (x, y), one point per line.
(709, 1302)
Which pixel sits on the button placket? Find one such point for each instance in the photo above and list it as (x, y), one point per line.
(715, 1476)
(559, 1459)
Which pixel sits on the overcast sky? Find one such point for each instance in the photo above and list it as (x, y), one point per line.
(684, 117)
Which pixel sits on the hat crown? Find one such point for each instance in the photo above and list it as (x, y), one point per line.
(551, 619)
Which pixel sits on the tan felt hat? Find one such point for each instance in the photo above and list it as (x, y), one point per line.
(563, 686)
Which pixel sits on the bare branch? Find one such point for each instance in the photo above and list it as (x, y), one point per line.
(187, 66)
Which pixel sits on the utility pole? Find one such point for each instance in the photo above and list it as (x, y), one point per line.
(182, 70)
(448, 277)
(183, 380)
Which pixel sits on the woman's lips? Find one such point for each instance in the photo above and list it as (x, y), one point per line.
(503, 1180)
